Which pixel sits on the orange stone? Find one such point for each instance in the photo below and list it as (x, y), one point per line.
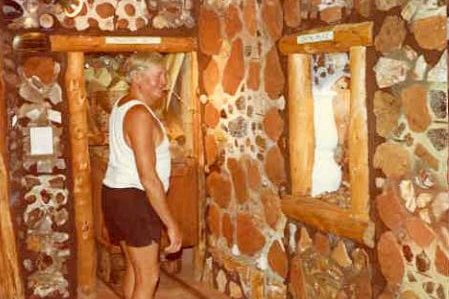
(130, 10)
(140, 23)
(277, 259)
(252, 169)
(363, 288)
(250, 17)
(211, 77)
(273, 124)
(321, 244)
(219, 189)
(209, 31)
(414, 105)
(390, 258)
(249, 238)
(418, 230)
(331, 14)
(409, 295)
(235, 70)
(211, 115)
(275, 166)
(391, 211)
(105, 10)
(211, 149)
(238, 179)
(273, 18)
(228, 229)
(393, 159)
(442, 261)
(386, 295)
(213, 220)
(232, 21)
(391, 35)
(422, 153)
(253, 80)
(430, 33)
(273, 75)
(272, 209)
(297, 283)
(41, 67)
(122, 24)
(292, 13)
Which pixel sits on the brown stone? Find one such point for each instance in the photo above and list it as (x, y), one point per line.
(235, 69)
(210, 77)
(363, 7)
(209, 31)
(252, 169)
(414, 105)
(213, 220)
(105, 10)
(390, 258)
(430, 33)
(388, 4)
(331, 14)
(211, 115)
(228, 229)
(391, 35)
(122, 24)
(442, 261)
(340, 255)
(211, 148)
(363, 288)
(409, 295)
(41, 67)
(321, 243)
(273, 124)
(232, 21)
(219, 189)
(272, 209)
(253, 80)
(391, 211)
(275, 166)
(419, 231)
(387, 109)
(277, 259)
(239, 180)
(140, 23)
(250, 16)
(130, 10)
(393, 159)
(292, 13)
(304, 242)
(297, 286)
(249, 238)
(273, 75)
(425, 156)
(386, 295)
(273, 18)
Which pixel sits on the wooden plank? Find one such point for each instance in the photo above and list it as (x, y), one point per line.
(358, 136)
(82, 190)
(83, 43)
(328, 218)
(301, 124)
(345, 37)
(10, 281)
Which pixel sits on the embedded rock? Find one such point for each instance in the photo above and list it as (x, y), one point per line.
(419, 232)
(430, 33)
(390, 258)
(250, 16)
(331, 14)
(438, 138)
(211, 77)
(414, 104)
(275, 166)
(252, 169)
(238, 179)
(249, 238)
(422, 153)
(213, 220)
(272, 209)
(292, 13)
(219, 189)
(235, 69)
(393, 159)
(438, 103)
(253, 80)
(387, 109)
(273, 74)
(211, 115)
(273, 18)
(391, 211)
(273, 124)
(442, 261)
(391, 35)
(277, 259)
(209, 31)
(390, 71)
(388, 4)
(228, 229)
(211, 149)
(232, 21)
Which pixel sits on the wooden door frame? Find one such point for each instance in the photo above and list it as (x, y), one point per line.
(75, 47)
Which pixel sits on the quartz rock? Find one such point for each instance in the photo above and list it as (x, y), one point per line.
(390, 71)
(408, 195)
(420, 69)
(439, 72)
(440, 206)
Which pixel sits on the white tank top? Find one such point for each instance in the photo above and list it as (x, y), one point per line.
(122, 168)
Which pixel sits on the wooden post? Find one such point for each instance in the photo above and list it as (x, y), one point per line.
(358, 136)
(78, 129)
(300, 111)
(10, 282)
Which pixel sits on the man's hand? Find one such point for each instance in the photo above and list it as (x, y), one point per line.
(175, 238)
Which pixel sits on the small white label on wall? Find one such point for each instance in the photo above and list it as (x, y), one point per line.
(54, 116)
(137, 40)
(315, 37)
(41, 140)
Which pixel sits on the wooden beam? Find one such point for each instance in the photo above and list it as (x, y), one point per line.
(329, 218)
(84, 43)
(10, 281)
(358, 136)
(301, 123)
(78, 129)
(345, 36)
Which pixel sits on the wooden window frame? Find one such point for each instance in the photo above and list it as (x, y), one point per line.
(353, 223)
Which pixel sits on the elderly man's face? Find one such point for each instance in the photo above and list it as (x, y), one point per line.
(152, 82)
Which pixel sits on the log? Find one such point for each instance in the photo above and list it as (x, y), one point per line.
(345, 36)
(301, 123)
(84, 43)
(329, 218)
(10, 281)
(82, 190)
(358, 136)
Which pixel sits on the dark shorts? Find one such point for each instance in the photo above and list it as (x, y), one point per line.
(129, 217)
